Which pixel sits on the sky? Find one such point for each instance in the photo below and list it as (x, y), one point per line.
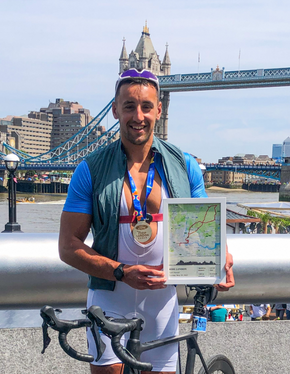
(70, 49)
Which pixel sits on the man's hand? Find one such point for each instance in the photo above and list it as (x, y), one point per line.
(230, 280)
(144, 277)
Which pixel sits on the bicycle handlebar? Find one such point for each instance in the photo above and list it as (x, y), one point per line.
(63, 327)
(114, 328)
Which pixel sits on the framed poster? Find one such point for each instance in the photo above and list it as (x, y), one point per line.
(194, 240)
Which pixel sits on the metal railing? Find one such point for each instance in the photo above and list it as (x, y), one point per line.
(31, 273)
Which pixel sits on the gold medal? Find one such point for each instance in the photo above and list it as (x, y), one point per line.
(142, 232)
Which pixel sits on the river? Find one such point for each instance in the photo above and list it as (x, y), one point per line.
(44, 216)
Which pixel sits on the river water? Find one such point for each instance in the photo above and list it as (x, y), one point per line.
(43, 216)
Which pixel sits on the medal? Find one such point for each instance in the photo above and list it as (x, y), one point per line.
(142, 232)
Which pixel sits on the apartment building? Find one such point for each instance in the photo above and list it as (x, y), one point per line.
(30, 135)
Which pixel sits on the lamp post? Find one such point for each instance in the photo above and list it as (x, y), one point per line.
(11, 163)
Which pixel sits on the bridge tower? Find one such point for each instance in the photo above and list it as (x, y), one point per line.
(145, 57)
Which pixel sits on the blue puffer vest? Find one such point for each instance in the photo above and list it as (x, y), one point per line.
(108, 167)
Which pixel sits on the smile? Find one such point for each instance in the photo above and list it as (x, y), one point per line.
(138, 127)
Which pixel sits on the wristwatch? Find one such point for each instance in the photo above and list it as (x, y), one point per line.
(119, 272)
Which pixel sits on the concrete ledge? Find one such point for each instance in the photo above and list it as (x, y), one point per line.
(253, 347)
(20, 353)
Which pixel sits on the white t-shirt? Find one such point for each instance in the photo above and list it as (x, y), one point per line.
(259, 310)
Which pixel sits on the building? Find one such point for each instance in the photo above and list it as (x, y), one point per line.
(280, 151)
(145, 57)
(29, 135)
(277, 152)
(286, 148)
(68, 119)
(225, 177)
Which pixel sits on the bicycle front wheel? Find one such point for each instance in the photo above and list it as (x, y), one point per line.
(218, 365)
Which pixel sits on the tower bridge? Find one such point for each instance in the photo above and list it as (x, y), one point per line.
(70, 152)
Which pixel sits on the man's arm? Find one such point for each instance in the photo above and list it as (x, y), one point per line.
(216, 307)
(230, 280)
(74, 229)
(268, 311)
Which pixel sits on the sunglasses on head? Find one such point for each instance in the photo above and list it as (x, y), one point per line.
(133, 73)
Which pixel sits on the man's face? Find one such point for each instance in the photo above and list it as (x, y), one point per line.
(137, 107)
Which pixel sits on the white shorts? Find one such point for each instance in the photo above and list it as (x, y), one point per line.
(160, 311)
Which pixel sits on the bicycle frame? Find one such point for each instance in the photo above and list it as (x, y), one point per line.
(135, 347)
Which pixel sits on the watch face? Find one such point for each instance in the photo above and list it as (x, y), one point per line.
(118, 272)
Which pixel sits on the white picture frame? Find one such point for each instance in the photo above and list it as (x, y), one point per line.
(200, 225)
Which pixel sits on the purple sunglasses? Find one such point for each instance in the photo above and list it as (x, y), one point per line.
(133, 73)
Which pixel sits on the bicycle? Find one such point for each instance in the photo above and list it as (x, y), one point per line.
(130, 356)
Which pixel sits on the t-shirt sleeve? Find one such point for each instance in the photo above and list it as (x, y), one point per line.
(195, 177)
(80, 192)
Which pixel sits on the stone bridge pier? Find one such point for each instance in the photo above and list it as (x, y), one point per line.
(161, 126)
(284, 192)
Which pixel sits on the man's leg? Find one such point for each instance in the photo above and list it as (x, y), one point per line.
(108, 369)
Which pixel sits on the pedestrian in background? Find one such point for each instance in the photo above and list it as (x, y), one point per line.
(260, 312)
(280, 310)
(218, 313)
(288, 311)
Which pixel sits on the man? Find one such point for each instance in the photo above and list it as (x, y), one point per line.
(119, 191)
(260, 312)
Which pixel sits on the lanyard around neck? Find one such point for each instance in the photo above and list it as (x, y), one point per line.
(140, 213)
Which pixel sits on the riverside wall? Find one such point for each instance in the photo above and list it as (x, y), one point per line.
(257, 187)
(261, 187)
(41, 187)
(252, 347)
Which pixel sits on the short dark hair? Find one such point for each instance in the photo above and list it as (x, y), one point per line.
(136, 81)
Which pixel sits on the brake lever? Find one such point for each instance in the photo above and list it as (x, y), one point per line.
(101, 346)
(45, 336)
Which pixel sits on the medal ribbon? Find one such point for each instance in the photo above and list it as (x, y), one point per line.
(140, 213)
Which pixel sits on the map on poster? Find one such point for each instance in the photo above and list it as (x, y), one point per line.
(194, 234)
